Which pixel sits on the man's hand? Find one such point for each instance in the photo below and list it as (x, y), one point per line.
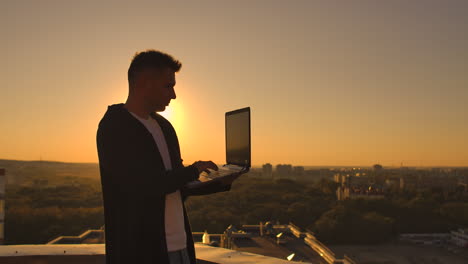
(203, 166)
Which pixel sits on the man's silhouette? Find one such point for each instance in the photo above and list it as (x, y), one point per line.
(143, 178)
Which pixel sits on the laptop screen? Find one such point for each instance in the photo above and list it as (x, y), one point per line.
(238, 137)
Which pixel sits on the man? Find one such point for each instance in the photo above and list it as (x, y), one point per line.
(144, 182)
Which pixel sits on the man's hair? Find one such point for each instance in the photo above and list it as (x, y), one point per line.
(151, 59)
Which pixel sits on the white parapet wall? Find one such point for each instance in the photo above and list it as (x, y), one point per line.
(204, 252)
(320, 248)
(296, 231)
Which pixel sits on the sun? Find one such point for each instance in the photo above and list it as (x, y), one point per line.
(168, 113)
(174, 113)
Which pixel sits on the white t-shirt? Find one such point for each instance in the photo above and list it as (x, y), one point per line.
(176, 238)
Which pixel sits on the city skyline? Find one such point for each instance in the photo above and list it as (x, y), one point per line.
(306, 167)
(348, 84)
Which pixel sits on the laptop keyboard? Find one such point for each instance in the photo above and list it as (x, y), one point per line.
(221, 172)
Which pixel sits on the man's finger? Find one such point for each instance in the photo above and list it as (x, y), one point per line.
(212, 165)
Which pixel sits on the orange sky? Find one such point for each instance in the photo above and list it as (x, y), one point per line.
(351, 84)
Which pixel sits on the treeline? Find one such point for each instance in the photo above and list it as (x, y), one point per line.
(314, 207)
(373, 221)
(36, 215)
(26, 225)
(39, 214)
(253, 200)
(20, 170)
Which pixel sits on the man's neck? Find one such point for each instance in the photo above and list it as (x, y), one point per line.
(137, 109)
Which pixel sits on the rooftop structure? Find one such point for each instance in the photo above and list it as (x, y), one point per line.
(280, 241)
(88, 237)
(460, 237)
(87, 253)
(263, 243)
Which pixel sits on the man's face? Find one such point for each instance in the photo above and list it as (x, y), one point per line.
(159, 88)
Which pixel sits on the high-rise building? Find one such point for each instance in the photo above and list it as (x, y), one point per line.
(267, 171)
(2, 205)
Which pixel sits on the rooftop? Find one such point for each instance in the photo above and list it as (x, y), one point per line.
(94, 254)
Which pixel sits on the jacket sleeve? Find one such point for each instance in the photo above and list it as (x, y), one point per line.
(129, 170)
(209, 188)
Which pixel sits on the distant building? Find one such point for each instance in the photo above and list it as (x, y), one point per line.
(354, 187)
(445, 182)
(283, 171)
(392, 182)
(298, 171)
(339, 178)
(267, 171)
(464, 183)
(2, 205)
(377, 167)
(409, 182)
(426, 180)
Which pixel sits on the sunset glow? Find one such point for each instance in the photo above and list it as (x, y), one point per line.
(348, 84)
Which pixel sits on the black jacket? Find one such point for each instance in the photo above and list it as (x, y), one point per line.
(134, 185)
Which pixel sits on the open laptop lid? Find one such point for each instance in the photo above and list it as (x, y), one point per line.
(238, 150)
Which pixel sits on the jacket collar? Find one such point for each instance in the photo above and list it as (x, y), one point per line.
(168, 131)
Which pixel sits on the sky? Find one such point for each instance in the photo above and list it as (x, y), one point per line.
(349, 83)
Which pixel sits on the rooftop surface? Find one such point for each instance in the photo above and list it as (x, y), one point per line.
(267, 246)
(94, 254)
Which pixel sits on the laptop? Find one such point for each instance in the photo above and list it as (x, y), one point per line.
(238, 149)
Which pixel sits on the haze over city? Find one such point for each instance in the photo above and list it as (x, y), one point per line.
(349, 83)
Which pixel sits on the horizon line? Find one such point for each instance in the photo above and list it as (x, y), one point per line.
(257, 165)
